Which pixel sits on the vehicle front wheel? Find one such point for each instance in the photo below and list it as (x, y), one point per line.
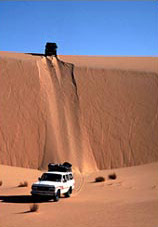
(35, 197)
(68, 193)
(57, 196)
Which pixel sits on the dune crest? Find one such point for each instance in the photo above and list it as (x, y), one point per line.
(53, 111)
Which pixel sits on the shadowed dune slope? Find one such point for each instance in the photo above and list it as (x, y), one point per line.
(96, 118)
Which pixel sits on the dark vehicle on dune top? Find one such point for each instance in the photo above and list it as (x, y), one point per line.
(51, 49)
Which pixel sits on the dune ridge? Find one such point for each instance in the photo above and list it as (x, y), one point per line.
(96, 118)
(127, 63)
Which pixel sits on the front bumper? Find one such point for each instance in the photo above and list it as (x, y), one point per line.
(43, 193)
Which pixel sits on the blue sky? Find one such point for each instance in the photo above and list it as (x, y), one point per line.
(80, 27)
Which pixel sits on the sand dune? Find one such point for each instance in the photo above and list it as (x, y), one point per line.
(97, 116)
(96, 112)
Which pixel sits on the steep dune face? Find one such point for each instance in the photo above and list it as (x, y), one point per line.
(52, 111)
(21, 118)
(40, 114)
(64, 133)
(119, 114)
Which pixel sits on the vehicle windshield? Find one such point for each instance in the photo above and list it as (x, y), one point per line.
(51, 177)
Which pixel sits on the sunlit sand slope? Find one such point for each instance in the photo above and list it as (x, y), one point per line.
(96, 118)
(144, 64)
(119, 114)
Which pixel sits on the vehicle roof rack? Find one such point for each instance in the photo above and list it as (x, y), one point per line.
(65, 167)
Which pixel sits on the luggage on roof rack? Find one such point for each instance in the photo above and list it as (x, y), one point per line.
(65, 167)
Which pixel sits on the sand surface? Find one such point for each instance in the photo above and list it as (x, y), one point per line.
(141, 64)
(97, 113)
(129, 201)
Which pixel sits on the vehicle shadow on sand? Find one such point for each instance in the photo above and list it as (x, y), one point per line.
(22, 199)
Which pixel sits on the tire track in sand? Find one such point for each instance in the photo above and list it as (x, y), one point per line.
(79, 183)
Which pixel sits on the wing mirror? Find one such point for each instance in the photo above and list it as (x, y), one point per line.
(39, 178)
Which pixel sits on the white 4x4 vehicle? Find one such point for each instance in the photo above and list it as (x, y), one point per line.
(53, 184)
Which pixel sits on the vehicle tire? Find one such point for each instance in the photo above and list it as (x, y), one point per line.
(35, 197)
(68, 193)
(57, 196)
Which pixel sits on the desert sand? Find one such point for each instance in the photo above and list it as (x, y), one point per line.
(129, 201)
(91, 115)
(100, 114)
(128, 63)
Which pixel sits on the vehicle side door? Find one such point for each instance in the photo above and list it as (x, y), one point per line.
(65, 184)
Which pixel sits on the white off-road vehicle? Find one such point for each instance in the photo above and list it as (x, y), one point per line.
(57, 181)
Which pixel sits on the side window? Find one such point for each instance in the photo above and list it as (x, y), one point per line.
(64, 179)
(70, 176)
(67, 176)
